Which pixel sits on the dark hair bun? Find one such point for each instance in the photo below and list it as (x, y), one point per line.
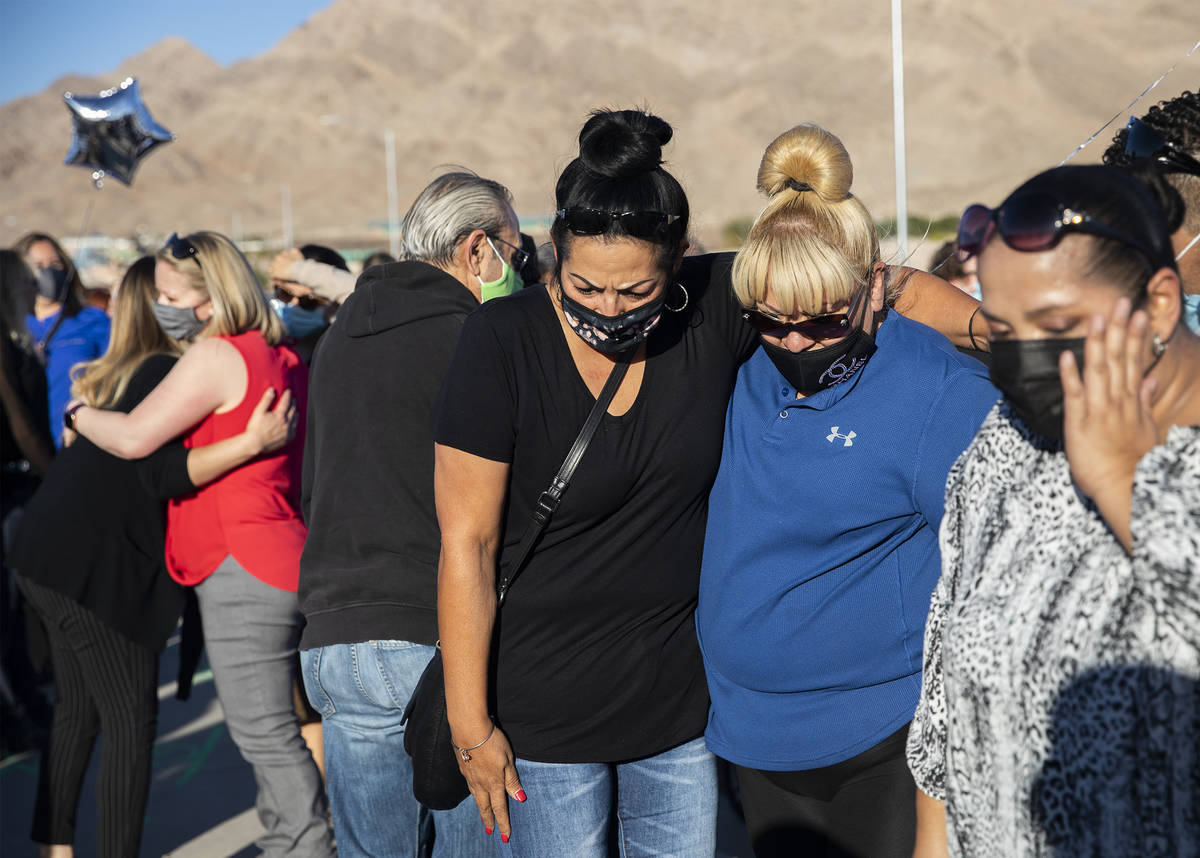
(615, 144)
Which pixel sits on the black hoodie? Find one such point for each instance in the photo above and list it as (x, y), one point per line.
(369, 569)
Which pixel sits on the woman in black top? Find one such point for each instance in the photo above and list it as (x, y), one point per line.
(104, 593)
(598, 693)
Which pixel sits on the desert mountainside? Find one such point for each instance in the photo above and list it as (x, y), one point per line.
(994, 92)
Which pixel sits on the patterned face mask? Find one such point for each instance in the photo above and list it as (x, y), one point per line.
(612, 334)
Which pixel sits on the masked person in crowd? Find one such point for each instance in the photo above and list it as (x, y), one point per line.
(593, 720)
(304, 313)
(369, 571)
(821, 550)
(238, 539)
(1061, 700)
(1166, 142)
(65, 330)
(956, 272)
(104, 595)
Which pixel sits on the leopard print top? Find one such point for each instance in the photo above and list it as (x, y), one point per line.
(1060, 708)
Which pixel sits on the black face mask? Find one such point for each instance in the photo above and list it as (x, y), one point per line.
(612, 334)
(51, 282)
(816, 369)
(1026, 371)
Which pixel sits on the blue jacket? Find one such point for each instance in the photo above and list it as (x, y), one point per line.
(821, 551)
(80, 338)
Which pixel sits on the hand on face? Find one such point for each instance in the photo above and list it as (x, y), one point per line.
(1108, 424)
(282, 263)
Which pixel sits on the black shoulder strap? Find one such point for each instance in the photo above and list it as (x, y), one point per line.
(548, 501)
(45, 341)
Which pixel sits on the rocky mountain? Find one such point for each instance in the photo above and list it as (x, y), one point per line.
(994, 92)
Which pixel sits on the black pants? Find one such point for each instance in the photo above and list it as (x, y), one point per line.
(863, 807)
(104, 682)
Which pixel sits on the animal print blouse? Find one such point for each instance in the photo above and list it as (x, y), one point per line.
(1060, 709)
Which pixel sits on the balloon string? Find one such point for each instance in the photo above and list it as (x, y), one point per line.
(87, 215)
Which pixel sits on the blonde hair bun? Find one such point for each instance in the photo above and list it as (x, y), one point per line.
(806, 159)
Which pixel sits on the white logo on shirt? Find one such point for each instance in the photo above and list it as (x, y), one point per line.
(834, 435)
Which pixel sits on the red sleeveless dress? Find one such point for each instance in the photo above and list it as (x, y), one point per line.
(253, 512)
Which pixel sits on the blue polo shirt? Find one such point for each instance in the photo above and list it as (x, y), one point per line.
(80, 338)
(821, 550)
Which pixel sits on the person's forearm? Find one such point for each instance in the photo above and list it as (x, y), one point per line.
(931, 828)
(930, 300)
(466, 617)
(116, 432)
(207, 463)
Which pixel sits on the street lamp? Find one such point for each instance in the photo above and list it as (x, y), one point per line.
(389, 146)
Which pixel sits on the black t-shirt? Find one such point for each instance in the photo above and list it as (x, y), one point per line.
(597, 655)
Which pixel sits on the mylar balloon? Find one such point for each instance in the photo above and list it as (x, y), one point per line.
(113, 131)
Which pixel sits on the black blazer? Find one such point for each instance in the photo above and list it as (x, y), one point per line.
(95, 529)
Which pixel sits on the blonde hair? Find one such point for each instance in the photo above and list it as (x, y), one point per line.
(135, 336)
(814, 244)
(220, 270)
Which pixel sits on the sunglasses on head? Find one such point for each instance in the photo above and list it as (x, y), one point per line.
(829, 326)
(646, 225)
(519, 256)
(181, 248)
(1142, 142)
(1029, 223)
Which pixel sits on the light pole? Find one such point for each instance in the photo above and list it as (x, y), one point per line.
(393, 199)
(898, 128)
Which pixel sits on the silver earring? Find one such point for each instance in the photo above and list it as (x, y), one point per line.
(685, 300)
(1157, 346)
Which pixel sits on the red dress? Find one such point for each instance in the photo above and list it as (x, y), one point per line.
(253, 512)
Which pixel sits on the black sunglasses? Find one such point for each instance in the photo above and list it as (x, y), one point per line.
(830, 326)
(645, 225)
(519, 256)
(181, 248)
(1029, 223)
(304, 302)
(1142, 141)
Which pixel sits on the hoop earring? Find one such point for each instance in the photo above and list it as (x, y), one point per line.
(681, 306)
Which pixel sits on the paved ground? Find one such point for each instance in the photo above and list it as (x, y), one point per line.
(202, 796)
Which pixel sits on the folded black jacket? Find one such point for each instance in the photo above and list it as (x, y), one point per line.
(369, 568)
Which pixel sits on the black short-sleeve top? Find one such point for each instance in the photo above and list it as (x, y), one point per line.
(597, 659)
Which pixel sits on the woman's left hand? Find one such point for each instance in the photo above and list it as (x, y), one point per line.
(1107, 422)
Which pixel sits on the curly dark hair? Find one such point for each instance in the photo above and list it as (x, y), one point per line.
(1178, 121)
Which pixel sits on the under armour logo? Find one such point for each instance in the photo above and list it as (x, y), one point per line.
(834, 434)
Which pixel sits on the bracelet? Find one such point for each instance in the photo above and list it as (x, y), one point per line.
(465, 753)
(970, 332)
(69, 415)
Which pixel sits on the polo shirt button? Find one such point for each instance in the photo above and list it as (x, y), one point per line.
(785, 391)
(783, 414)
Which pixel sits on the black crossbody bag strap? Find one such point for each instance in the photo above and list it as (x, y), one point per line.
(548, 501)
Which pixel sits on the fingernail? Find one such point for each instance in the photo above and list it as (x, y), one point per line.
(488, 830)
(520, 796)
(503, 838)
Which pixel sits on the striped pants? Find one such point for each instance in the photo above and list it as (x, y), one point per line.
(104, 682)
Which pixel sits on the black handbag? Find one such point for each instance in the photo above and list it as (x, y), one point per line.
(438, 783)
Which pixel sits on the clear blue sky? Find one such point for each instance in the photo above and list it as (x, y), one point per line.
(41, 40)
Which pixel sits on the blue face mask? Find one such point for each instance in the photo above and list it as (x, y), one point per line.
(300, 323)
(1191, 313)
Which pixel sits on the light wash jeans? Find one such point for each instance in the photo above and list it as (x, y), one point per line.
(250, 632)
(361, 691)
(663, 806)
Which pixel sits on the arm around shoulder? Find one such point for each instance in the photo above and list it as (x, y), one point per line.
(930, 300)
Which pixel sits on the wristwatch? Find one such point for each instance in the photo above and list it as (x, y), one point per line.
(69, 415)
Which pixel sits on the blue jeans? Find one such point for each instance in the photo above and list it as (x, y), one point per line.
(361, 690)
(665, 805)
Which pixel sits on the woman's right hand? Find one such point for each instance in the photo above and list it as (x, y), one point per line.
(270, 428)
(491, 775)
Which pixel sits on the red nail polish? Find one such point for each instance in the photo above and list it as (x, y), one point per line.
(488, 830)
(520, 796)
(503, 838)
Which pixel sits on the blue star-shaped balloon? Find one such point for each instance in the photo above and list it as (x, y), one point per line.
(113, 132)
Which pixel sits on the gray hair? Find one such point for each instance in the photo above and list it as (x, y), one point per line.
(448, 210)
